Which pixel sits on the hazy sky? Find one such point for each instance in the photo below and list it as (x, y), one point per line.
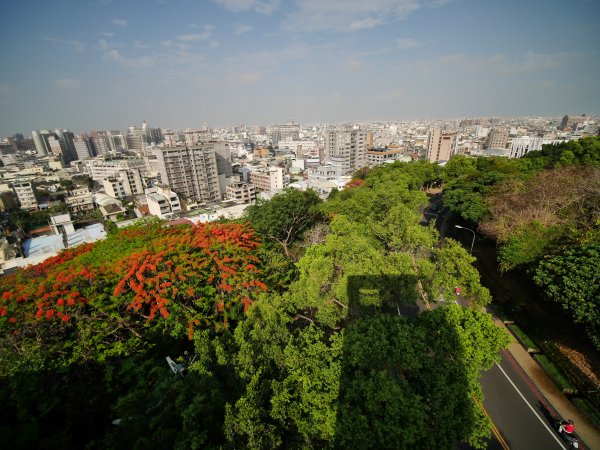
(109, 64)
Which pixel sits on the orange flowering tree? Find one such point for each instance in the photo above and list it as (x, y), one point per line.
(104, 297)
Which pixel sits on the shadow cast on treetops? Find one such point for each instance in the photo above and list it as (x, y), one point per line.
(403, 381)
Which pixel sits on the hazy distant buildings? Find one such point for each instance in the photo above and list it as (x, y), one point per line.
(301, 148)
(498, 138)
(280, 132)
(40, 140)
(117, 141)
(170, 138)
(194, 137)
(570, 123)
(191, 172)
(441, 145)
(55, 147)
(135, 140)
(100, 144)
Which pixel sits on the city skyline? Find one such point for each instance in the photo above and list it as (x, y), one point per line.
(176, 65)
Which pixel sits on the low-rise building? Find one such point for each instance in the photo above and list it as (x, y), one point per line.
(269, 179)
(25, 196)
(80, 201)
(376, 156)
(162, 201)
(241, 192)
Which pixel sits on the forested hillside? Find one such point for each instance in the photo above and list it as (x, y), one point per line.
(298, 328)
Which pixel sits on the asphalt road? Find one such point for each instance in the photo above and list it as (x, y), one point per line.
(518, 411)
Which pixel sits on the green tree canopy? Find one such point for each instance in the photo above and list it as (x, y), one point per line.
(286, 216)
(571, 279)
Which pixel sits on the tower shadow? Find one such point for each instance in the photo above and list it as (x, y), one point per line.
(403, 382)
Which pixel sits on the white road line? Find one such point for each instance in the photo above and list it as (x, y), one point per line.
(533, 410)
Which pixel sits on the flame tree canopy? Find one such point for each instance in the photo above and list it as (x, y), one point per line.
(94, 301)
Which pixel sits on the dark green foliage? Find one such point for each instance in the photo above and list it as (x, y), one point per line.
(468, 180)
(584, 151)
(570, 278)
(528, 245)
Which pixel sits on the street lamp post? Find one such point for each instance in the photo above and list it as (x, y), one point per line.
(465, 228)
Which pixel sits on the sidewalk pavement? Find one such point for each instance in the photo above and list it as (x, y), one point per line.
(586, 431)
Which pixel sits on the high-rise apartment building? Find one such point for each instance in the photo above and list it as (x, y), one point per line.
(223, 155)
(441, 145)
(40, 146)
(65, 138)
(99, 144)
(498, 138)
(82, 149)
(56, 148)
(346, 149)
(190, 171)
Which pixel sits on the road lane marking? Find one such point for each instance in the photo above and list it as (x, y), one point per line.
(532, 409)
(494, 428)
(526, 379)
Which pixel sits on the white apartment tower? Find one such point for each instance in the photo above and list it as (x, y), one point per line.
(441, 145)
(191, 172)
(346, 149)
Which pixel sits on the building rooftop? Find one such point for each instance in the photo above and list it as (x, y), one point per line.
(90, 233)
(43, 245)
